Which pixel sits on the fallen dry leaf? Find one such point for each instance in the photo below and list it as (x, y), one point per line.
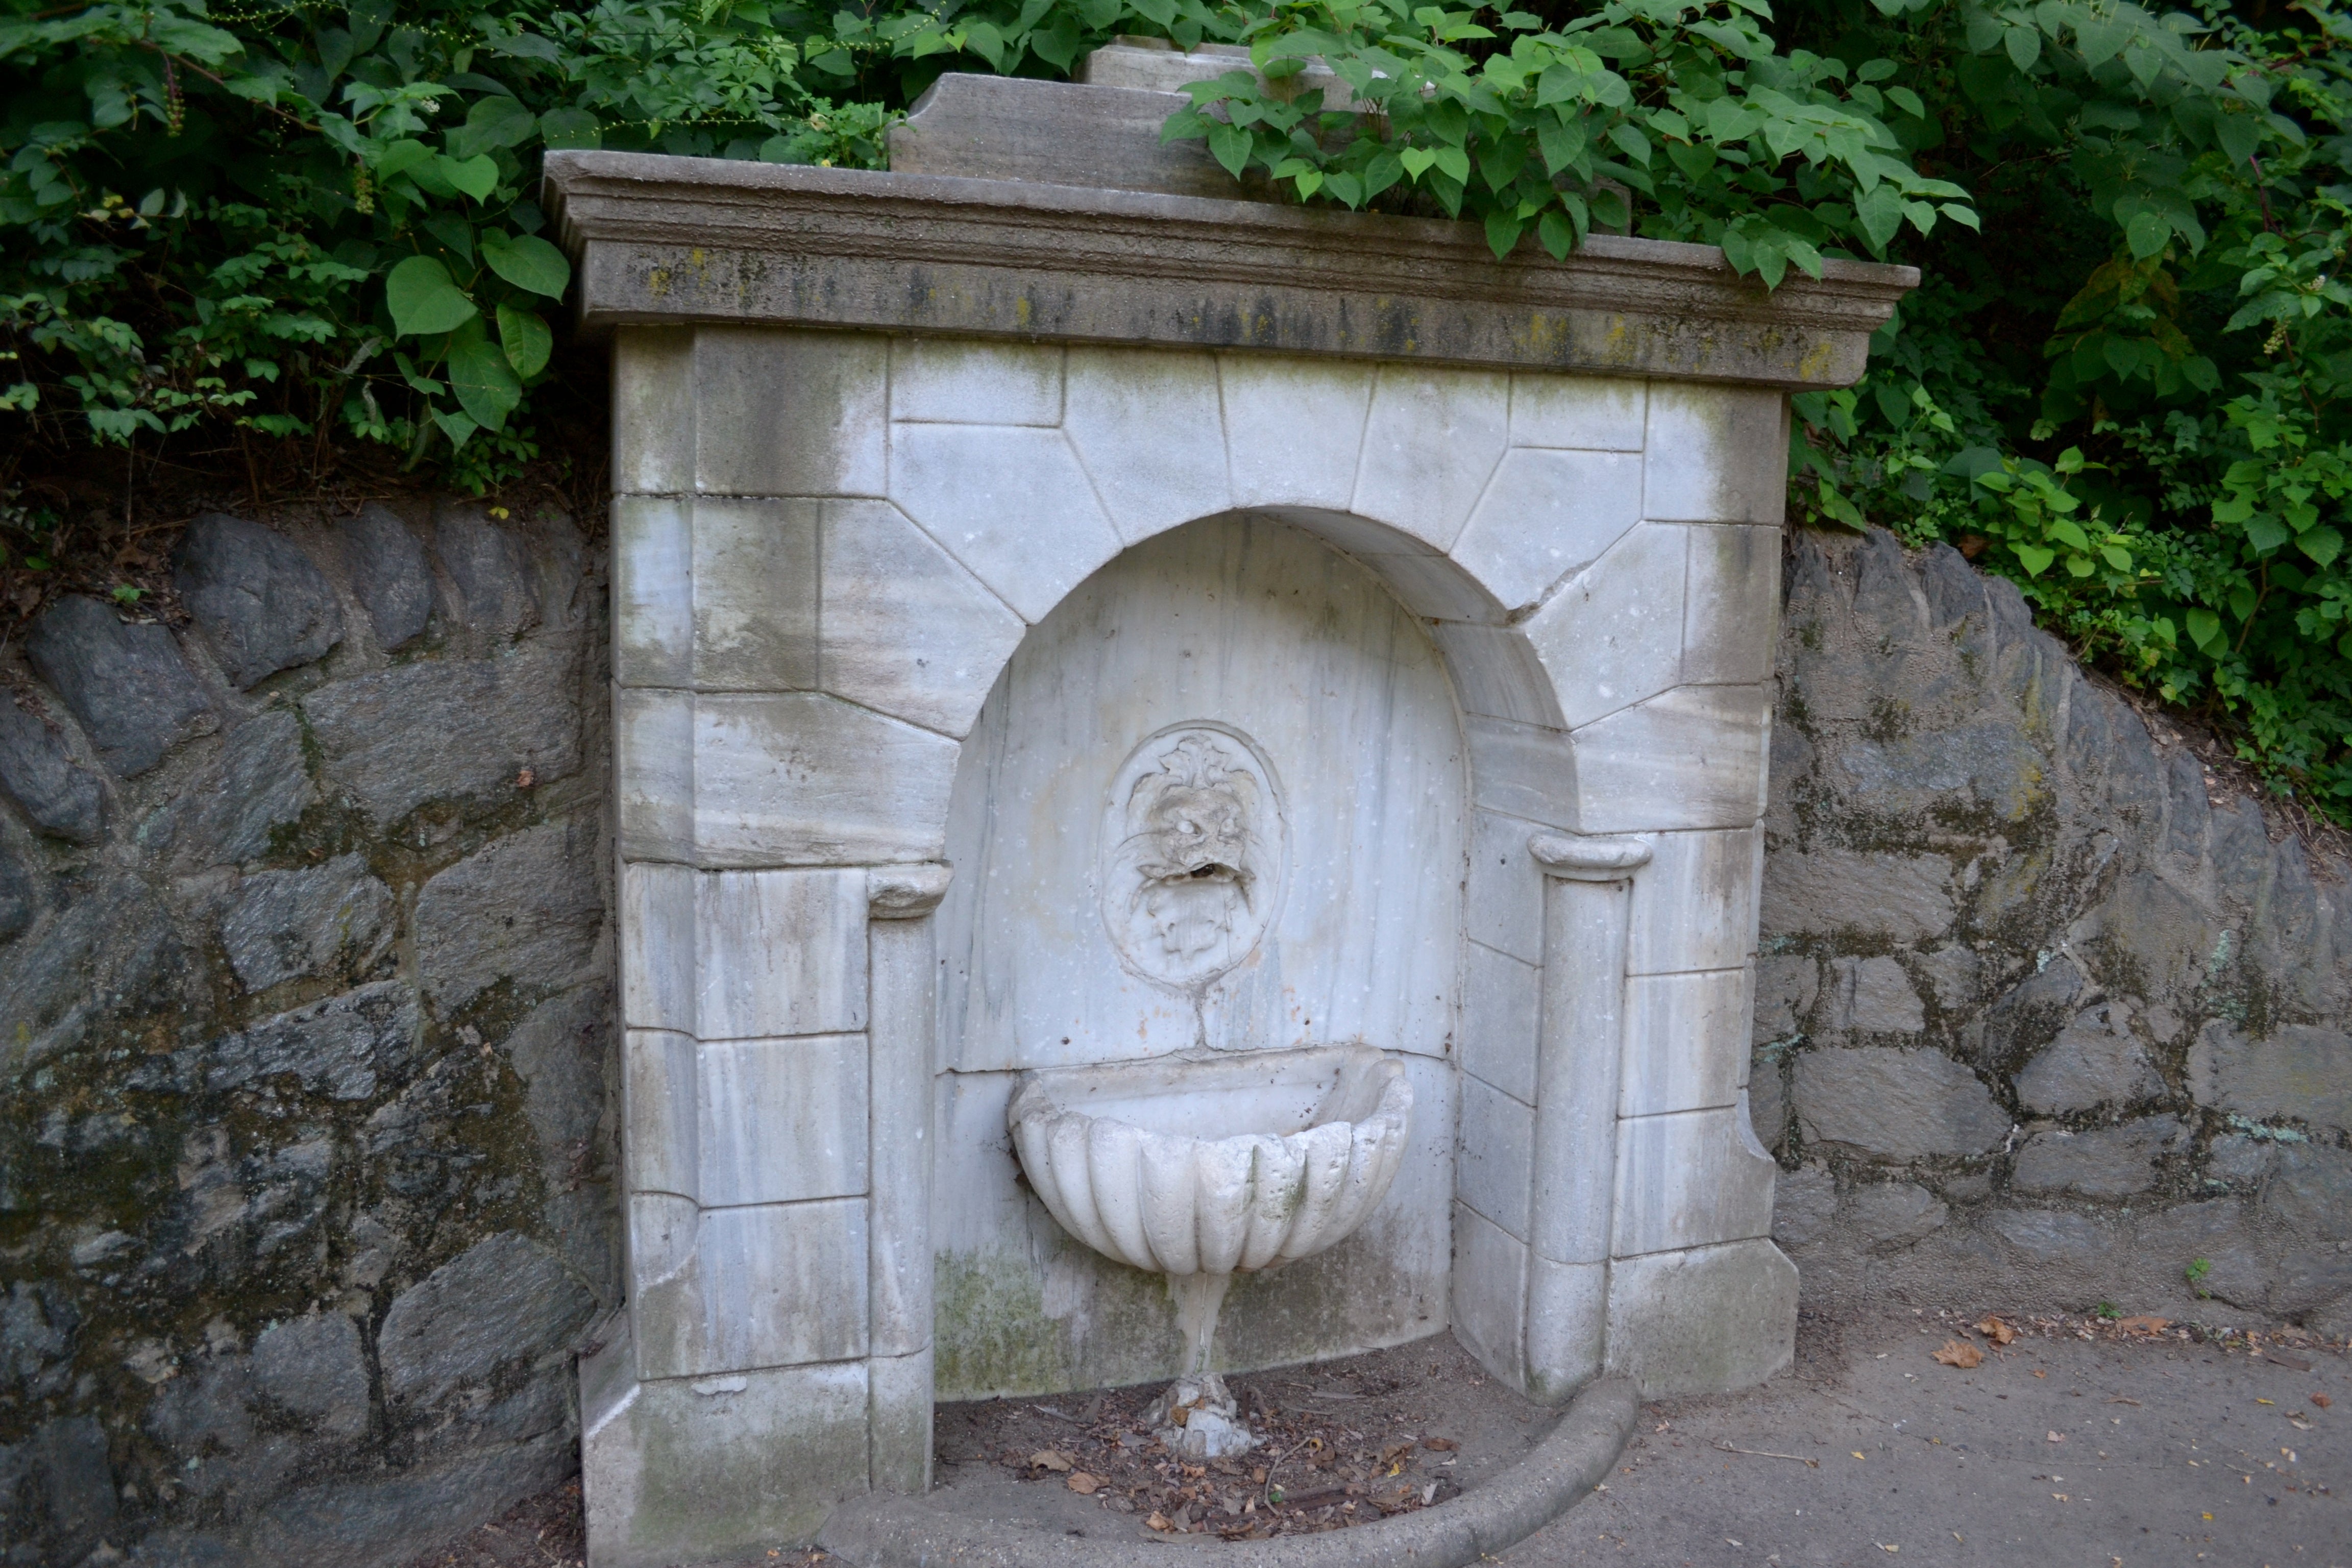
(2322, 1401)
(1158, 1521)
(2057, 1436)
(1045, 1458)
(1997, 1331)
(1084, 1484)
(1447, 1445)
(1960, 1353)
(2143, 1324)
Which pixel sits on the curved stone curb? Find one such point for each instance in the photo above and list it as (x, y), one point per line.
(883, 1531)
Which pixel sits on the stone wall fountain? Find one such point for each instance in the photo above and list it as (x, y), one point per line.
(1169, 752)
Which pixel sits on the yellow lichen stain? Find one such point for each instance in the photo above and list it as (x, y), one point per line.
(1816, 360)
(657, 282)
(1021, 311)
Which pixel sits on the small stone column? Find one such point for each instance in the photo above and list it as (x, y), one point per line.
(1587, 889)
(904, 990)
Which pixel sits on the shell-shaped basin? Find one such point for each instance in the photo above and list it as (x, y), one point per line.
(1215, 1165)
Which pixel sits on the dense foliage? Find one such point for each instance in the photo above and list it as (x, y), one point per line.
(2123, 383)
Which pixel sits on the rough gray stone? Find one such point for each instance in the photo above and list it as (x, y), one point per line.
(461, 728)
(1804, 1203)
(1954, 590)
(558, 1052)
(2105, 1162)
(260, 783)
(2192, 812)
(1952, 974)
(384, 1520)
(505, 1299)
(526, 908)
(342, 1047)
(1829, 890)
(1786, 985)
(285, 924)
(76, 1485)
(1874, 995)
(491, 569)
(20, 894)
(2310, 1189)
(262, 605)
(389, 575)
(1899, 1105)
(315, 1368)
(2095, 1060)
(97, 954)
(207, 1409)
(1767, 1104)
(2051, 1236)
(1992, 766)
(39, 772)
(2240, 1160)
(2299, 1071)
(2033, 1012)
(1894, 1214)
(37, 1321)
(128, 685)
(2309, 1281)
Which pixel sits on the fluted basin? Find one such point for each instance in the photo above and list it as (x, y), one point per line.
(1199, 1167)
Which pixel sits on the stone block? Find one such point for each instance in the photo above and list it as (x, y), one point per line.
(1503, 901)
(1567, 1326)
(559, 1050)
(1150, 432)
(1715, 454)
(961, 381)
(1686, 1041)
(653, 590)
(231, 812)
(2310, 1190)
(526, 908)
(1897, 1105)
(345, 1048)
(1804, 1205)
(1830, 891)
(1586, 413)
(262, 605)
(505, 1301)
(491, 569)
(1490, 1294)
(107, 945)
(781, 1120)
(2051, 1236)
(1873, 996)
(1501, 1009)
(1547, 514)
(908, 631)
(755, 594)
(1693, 758)
(389, 576)
(771, 1285)
(20, 893)
(74, 1486)
(1525, 770)
(1894, 1214)
(315, 1369)
(1011, 503)
(2103, 1162)
(899, 1408)
(1786, 988)
(1434, 587)
(1431, 443)
(37, 769)
(387, 1519)
(1695, 903)
(1613, 636)
(1492, 1160)
(712, 1469)
(1953, 975)
(657, 946)
(784, 413)
(654, 773)
(1498, 675)
(2298, 1069)
(1689, 1179)
(661, 1086)
(2095, 1060)
(1764, 1100)
(779, 952)
(1294, 428)
(1704, 1319)
(128, 685)
(653, 410)
(445, 729)
(282, 925)
(1731, 607)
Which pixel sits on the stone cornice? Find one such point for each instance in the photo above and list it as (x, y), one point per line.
(662, 239)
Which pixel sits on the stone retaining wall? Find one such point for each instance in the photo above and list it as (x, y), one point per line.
(2044, 1016)
(305, 1153)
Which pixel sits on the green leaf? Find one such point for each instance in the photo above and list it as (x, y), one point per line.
(1558, 234)
(569, 128)
(1229, 145)
(1561, 144)
(423, 299)
(2035, 559)
(525, 339)
(2322, 545)
(527, 262)
(2267, 533)
(456, 425)
(497, 121)
(2024, 46)
(2147, 233)
(1453, 162)
(485, 384)
(1416, 160)
(1503, 231)
(477, 177)
(2205, 631)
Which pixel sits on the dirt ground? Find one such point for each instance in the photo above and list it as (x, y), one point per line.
(2080, 1443)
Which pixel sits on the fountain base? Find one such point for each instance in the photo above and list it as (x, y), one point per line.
(1196, 1416)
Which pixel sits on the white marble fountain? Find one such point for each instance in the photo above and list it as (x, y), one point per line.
(1159, 739)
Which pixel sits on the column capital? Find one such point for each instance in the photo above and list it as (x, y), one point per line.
(1574, 857)
(907, 892)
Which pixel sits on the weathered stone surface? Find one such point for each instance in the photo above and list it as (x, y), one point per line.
(262, 605)
(528, 908)
(1786, 988)
(1894, 1214)
(1992, 766)
(73, 1491)
(39, 772)
(128, 685)
(97, 954)
(2105, 1162)
(384, 1520)
(1953, 976)
(389, 575)
(460, 729)
(315, 1368)
(559, 1050)
(491, 569)
(2299, 1071)
(343, 1048)
(505, 1301)
(37, 1320)
(2310, 1189)
(260, 784)
(19, 893)
(2051, 1236)
(1898, 1104)
(285, 924)
(1829, 890)
(1804, 1203)
(1874, 995)
(2095, 1060)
